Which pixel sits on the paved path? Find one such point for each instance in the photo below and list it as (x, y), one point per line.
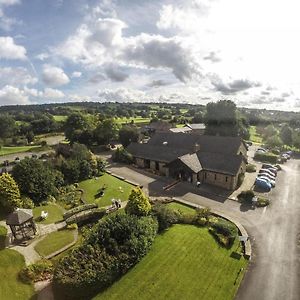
(274, 231)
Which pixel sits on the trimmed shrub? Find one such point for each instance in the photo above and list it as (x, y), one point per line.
(3, 234)
(250, 168)
(261, 202)
(39, 271)
(240, 180)
(266, 157)
(202, 216)
(110, 249)
(72, 226)
(246, 196)
(27, 202)
(166, 216)
(78, 209)
(138, 203)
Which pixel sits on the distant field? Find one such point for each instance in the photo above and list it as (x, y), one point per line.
(137, 120)
(60, 118)
(115, 188)
(184, 263)
(13, 150)
(254, 136)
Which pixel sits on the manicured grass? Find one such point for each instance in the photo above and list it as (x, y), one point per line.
(115, 188)
(54, 242)
(136, 120)
(58, 118)
(55, 213)
(184, 263)
(18, 149)
(181, 208)
(11, 262)
(254, 136)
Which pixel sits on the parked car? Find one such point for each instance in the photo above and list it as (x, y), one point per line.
(261, 149)
(263, 184)
(270, 171)
(286, 155)
(272, 182)
(269, 166)
(267, 175)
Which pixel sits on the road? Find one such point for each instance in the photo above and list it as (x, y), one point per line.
(274, 231)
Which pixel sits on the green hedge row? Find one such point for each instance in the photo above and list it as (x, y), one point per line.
(78, 209)
(86, 215)
(266, 157)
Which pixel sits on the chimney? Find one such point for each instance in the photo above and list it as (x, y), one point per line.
(196, 147)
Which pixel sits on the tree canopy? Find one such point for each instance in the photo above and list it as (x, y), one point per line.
(138, 203)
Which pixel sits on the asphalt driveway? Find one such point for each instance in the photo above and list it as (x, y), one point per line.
(274, 271)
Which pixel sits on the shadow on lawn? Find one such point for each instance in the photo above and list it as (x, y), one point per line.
(235, 255)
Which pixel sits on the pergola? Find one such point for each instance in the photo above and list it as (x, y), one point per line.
(21, 223)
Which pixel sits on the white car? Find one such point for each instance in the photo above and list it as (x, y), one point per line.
(266, 175)
(272, 182)
(268, 171)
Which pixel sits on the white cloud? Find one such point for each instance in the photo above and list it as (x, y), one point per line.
(9, 50)
(76, 74)
(121, 95)
(54, 76)
(17, 76)
(50, 93)
(7, 23)
(10, 95)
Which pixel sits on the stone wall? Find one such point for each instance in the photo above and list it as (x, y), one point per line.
(221, 180)
(140, 162)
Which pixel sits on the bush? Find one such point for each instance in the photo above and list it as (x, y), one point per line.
(110, 249)
(138, 204)
(72, 226)
(261, 202)
(3, 234)
(202, 216)
(39, 271)
(187, 218)
(27, 202)
(78, 209)
(250, 168)
(166, 216)
(246, 196)
(241, 178)
(122, 156)
(224, 231)
(266, 157)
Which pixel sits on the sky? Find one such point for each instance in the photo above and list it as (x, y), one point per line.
(185, 51)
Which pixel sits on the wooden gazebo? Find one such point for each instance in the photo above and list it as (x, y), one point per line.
(21, 223)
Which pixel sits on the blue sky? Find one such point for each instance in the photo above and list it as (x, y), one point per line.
(133, 50)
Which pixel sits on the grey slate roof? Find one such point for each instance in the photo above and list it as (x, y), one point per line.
(192, 161)
(19, 216)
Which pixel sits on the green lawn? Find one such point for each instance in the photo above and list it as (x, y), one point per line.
(181, 208)
(54, 241)
(116, 188)
(136, 120)
(18, 149)
(11, 262)
(184, 263)
(55, 213)
(254, 136)
(58, 118)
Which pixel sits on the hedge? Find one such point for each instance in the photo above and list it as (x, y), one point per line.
(266, 157)
(110, 249)
(38, 271)
(82, 217)
(250, 168)
(78, 209)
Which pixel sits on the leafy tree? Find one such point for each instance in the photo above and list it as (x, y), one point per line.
(7, 125)
(35, 178)
(274, 141)
(221, 118)
(286, 135)
(75, 125)
(128, 134)
(138, 204)
(9, 193)
(122, 156)
(106, 131)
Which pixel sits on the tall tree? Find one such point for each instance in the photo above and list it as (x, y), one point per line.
(138, 203)
(286, 135)
(221, 118)
(128, 134)
(7, 125)
(9, 193)
(106, 131)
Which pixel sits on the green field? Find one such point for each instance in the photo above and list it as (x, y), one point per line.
(18, 149)
(184, 263)
(58, 118)
(11, 262)
(115, 188)
(137, 120)
(254, 136)
(54, 242)
(55, 213)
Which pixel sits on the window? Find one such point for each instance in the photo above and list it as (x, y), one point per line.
(226, 179)
(215, 176)
(205, 175)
